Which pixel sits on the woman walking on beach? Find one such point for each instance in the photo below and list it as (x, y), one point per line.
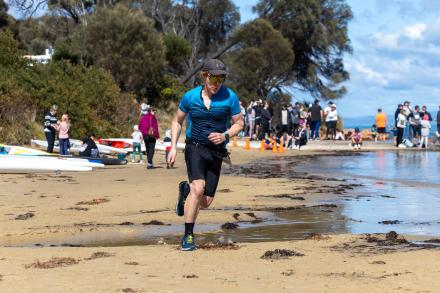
(63, 135)
(150, 131)
(211, 108)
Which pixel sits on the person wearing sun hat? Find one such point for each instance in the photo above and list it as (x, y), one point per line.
(331, 121)
(145, 108)
(213, 116)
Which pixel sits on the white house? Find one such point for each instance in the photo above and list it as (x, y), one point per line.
(42, 58)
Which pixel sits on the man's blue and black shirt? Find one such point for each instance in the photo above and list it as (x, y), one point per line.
(201, 121)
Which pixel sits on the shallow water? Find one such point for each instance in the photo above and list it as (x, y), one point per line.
(402, 186)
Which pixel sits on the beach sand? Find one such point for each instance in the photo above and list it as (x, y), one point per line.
(118, 202)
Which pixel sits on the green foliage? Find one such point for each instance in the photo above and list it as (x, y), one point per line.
(63, 51)
(318, 33)
(177, 51)
(125, 43)
(88, 94)
(261, 62)
(16, 109)
(10, 55)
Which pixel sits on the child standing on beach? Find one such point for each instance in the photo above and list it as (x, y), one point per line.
(63, 135)
(167, 142)
(356, 139)
(426, 126)
(374, 132)
(137, 141)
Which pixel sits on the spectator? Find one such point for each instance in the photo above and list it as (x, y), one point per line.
(137, 143)
(425, 113)
(150, 131)
(300, 136)
(399, 108)
(89, 148)
(50, 127)
(284, 118)
(425, 128)
(244, 113)
(331, 121)
(438, 119)
(340, 135)
(356, 139)
(381, 124)
(251, 120)
(401, 124)
(265, 121)
(63, 135)
(315, 119)
(408, 131)
(415, 124)
(294, 116)
(374, 132)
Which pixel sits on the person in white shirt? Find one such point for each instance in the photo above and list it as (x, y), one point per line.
(137, 142)
(331, 121)
(426, 126)
(401, 124)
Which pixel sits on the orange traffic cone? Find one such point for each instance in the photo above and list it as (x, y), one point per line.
(234, 142)
(248, 144)
(263, 145)
(281, 149)
(274, 146)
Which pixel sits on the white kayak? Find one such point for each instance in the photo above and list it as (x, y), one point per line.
(18, 150)
(49, 159)
(76, 145)
(35, 164)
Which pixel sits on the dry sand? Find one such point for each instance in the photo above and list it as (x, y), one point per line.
(56, 208)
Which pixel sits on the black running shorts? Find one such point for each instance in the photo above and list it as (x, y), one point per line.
(381, 130)
(202, 163)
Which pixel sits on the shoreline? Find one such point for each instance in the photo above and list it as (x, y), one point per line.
(131, 198)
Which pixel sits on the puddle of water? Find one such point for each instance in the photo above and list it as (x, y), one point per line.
(281, 226)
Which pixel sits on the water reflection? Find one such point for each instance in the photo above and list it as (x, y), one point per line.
(402, 186)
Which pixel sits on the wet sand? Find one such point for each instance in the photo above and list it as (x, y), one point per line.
(49, 208)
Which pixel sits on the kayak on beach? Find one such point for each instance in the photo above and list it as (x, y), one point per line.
(35, 164)
(103, 160)
(127, 144)
(76, 145)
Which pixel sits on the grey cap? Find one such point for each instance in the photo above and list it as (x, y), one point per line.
(214, 67)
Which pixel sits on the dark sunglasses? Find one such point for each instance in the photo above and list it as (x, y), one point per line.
(216, 79)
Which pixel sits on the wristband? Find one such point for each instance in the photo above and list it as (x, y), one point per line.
(226, 135)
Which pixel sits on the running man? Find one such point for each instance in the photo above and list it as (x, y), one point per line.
(210, 109)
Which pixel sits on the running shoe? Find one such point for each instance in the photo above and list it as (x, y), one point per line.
(188, 243)
(183, 193)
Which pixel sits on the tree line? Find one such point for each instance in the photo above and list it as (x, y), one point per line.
(152, 49)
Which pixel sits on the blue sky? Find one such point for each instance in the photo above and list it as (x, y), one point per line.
(396, 55)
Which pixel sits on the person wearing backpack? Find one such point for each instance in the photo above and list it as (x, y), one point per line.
(148, 126)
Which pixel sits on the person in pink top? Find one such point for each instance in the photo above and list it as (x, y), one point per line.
(150, 131)
(63, 135)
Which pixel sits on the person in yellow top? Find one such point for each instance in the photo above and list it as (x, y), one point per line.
(381, 124)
